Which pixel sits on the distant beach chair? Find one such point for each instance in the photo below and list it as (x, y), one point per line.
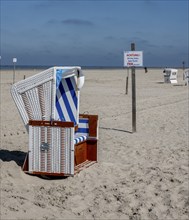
(170, 75)
(186, 76)
(61, 142)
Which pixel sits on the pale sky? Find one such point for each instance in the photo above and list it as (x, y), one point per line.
(94, 32)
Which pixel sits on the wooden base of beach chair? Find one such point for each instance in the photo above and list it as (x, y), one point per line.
(52, 151)
(85, 156)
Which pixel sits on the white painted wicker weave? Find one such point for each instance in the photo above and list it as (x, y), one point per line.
(35, 97)
(51, 149)
(51, 95)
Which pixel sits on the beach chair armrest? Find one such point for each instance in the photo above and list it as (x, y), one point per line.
(51, 123)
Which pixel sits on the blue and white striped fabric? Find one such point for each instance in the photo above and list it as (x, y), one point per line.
(83, 131)
(79, 139)
(66, 98)
(83, 127)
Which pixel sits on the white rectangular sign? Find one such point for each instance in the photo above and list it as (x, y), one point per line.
(133, 58)
(14, 60)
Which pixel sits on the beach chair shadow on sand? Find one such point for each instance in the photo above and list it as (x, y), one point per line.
(62, 142)
(16, 155)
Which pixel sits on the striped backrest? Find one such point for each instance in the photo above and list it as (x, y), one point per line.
(67, 100)
(83, 128)
(83, 131)
(52, 94)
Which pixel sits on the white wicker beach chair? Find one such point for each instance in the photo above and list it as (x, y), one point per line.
(170, 75)
(48, 103)
(186, 76)
(45, 96)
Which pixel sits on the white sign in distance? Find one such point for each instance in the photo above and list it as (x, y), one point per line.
(133, 58)
(14, 60)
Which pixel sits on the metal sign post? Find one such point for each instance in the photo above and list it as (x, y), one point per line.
(14, 61)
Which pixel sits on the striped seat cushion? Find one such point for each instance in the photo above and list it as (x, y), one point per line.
(79, 139)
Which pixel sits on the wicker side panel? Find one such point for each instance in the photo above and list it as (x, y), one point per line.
(38, 102)
(25, 89)
(51, 149)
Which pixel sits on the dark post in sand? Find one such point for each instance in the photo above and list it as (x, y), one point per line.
(133, 94)
(183, 68)
(14, 62)
(127, 81)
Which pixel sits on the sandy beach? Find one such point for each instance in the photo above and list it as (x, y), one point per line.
(142, 175)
